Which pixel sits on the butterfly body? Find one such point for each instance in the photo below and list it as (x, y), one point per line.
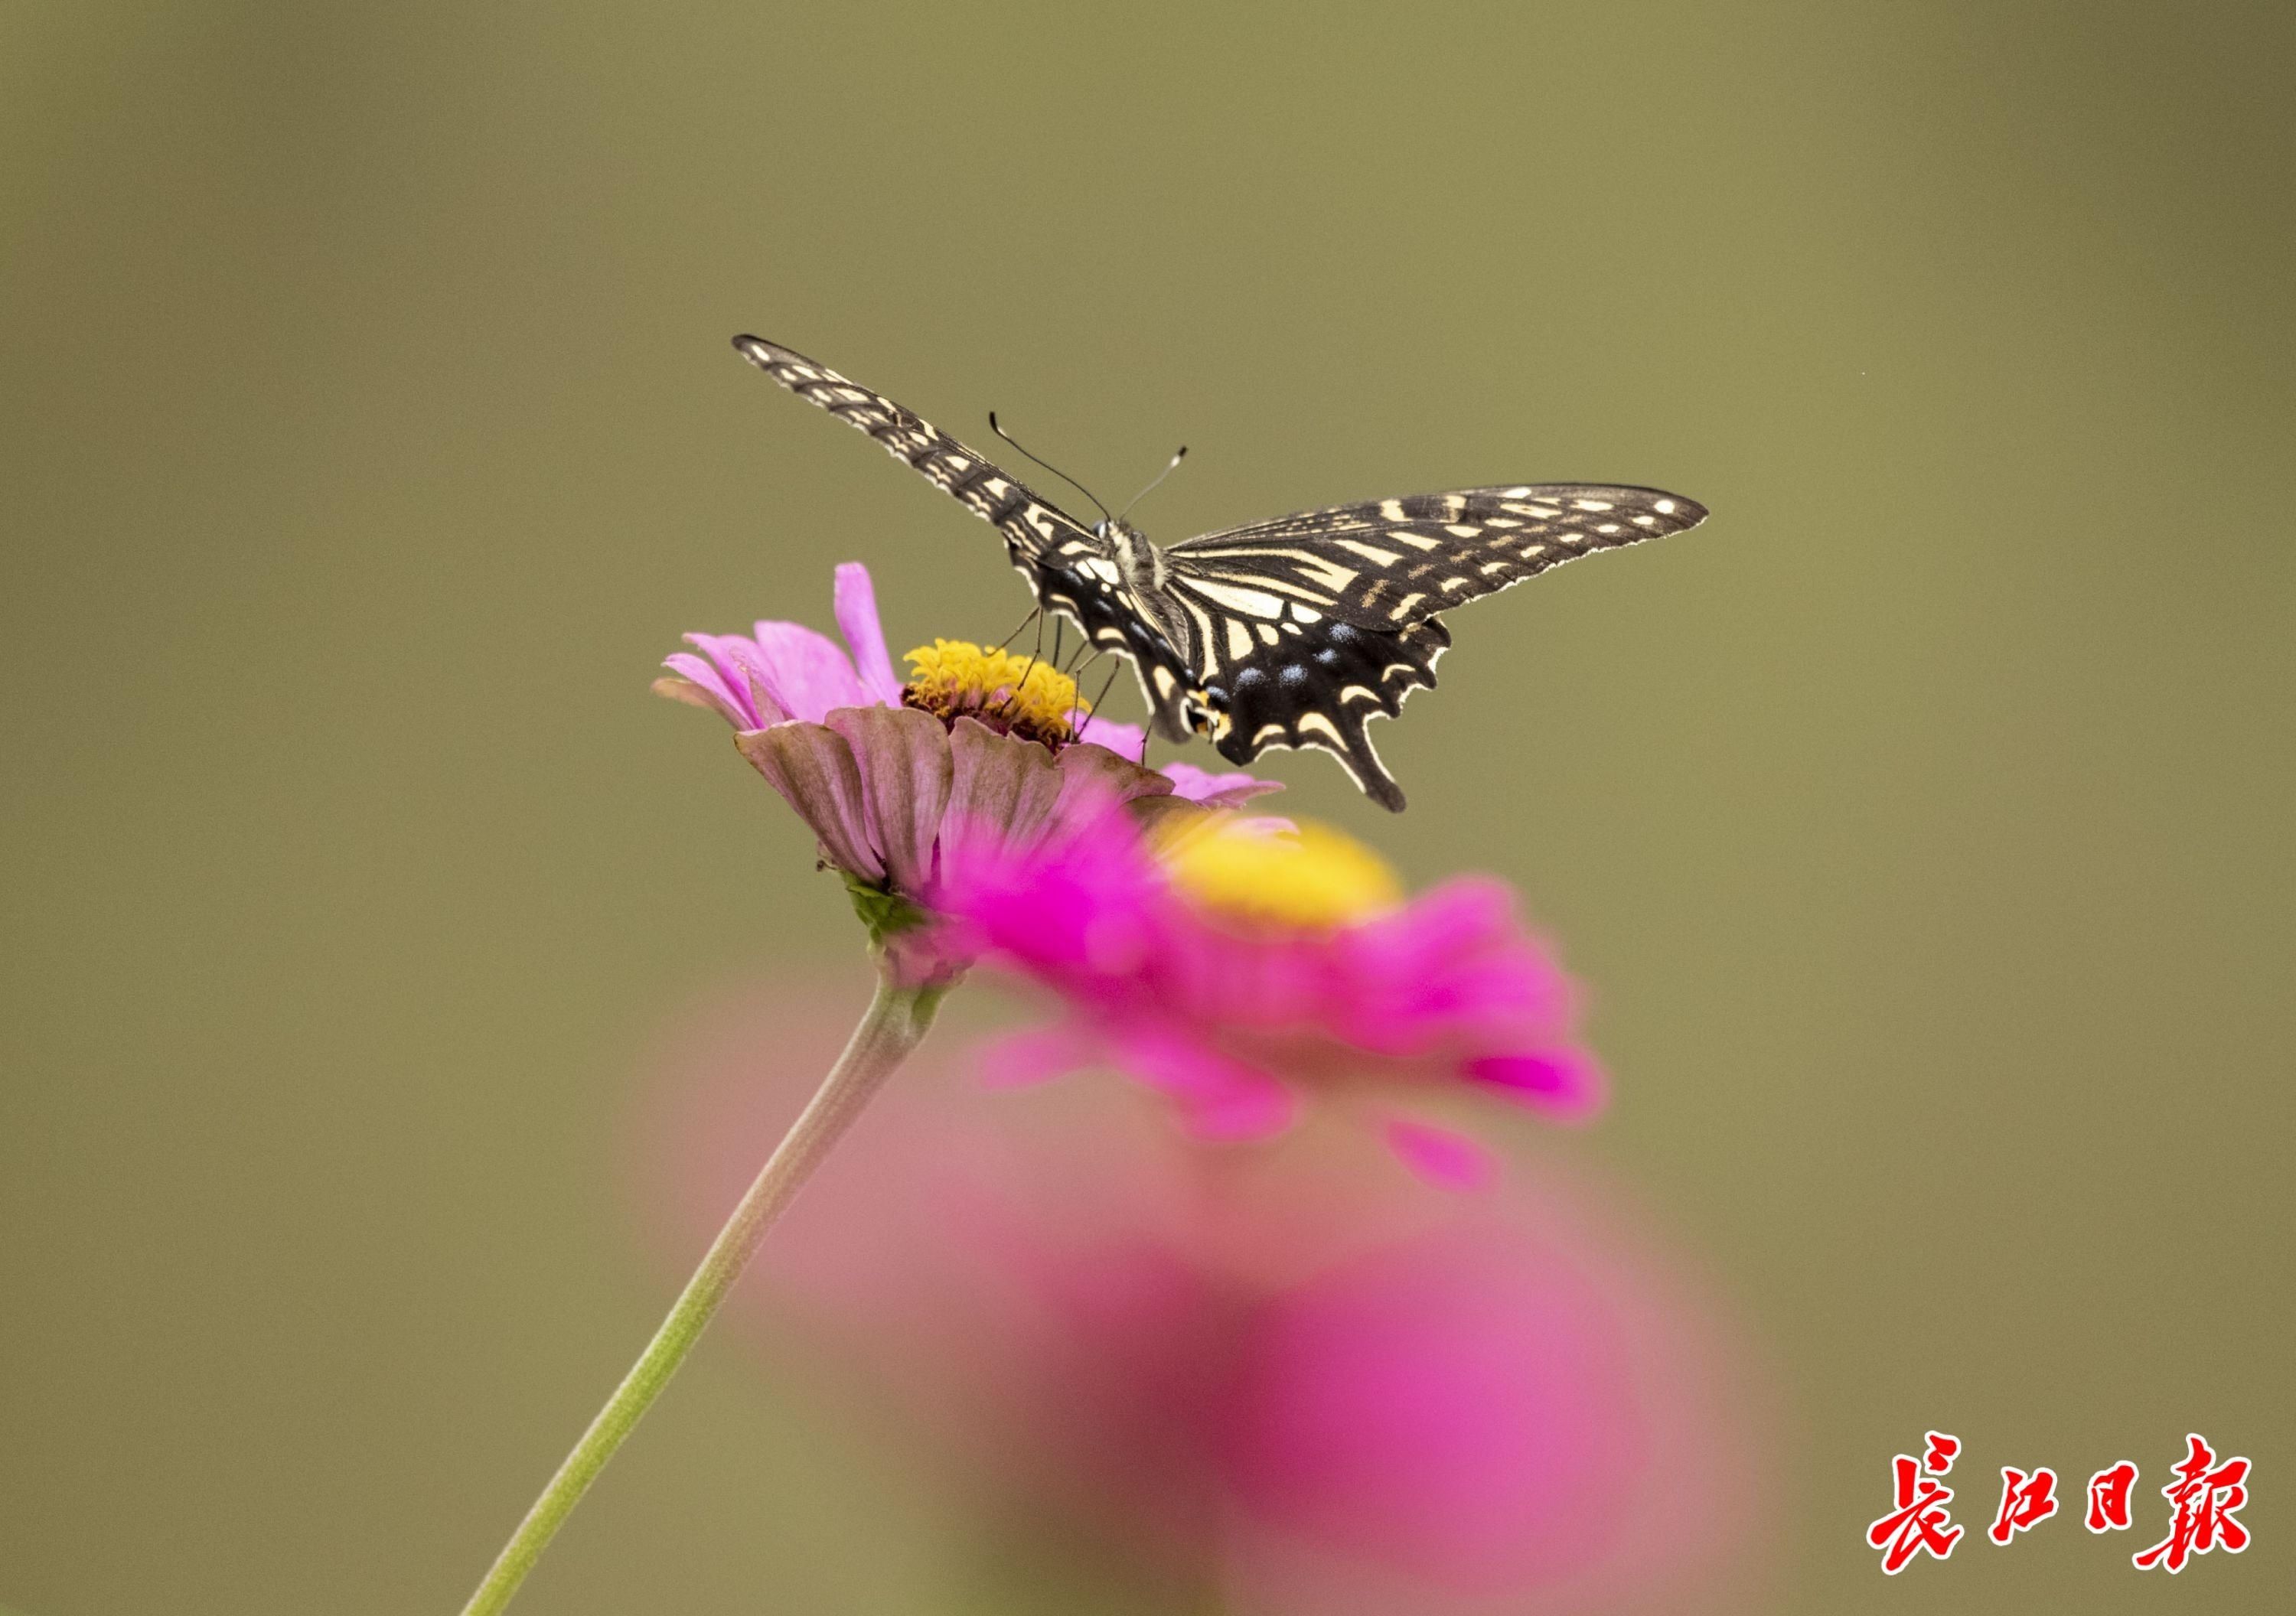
(1294, 633)
(1112, 588)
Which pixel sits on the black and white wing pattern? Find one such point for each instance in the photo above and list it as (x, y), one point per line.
(1294, 633)
(1071, 568)
(1316, 683)
(1387, 563)
(1301, 630)
(1033, 526)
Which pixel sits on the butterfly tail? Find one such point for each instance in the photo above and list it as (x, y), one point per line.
(1327, 699)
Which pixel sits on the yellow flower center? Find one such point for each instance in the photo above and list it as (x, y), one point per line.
(1313, 877)
(1023, 695)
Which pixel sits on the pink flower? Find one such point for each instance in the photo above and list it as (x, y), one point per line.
(1234, 964)
(786, 671)
(1298, 1379)
(875, 767)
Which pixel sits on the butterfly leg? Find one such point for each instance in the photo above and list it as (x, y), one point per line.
(1082, 656)
(1035, 657)
(1035, 616)
(1107, 685)
(1076, 677)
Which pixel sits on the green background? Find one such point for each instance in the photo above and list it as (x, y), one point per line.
(368, 431)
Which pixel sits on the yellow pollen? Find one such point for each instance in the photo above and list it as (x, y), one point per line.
(954, 678)
(1313, 877)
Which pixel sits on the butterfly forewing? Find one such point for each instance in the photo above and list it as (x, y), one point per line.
(1031, 524)
(1388, 563)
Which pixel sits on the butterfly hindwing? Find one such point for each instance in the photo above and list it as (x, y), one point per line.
(1312, 625)
(1319, 686)
(1388, 563)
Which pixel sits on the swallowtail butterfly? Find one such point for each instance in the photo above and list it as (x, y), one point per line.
(1293, 632)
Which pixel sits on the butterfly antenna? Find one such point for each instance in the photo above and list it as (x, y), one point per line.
(1170, 466)
(1048, 466)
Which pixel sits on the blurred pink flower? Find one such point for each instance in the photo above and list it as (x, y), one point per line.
(1233, 964)
(874, 767)
(1301, 1379)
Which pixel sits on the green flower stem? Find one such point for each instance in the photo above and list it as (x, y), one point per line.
(895, 1023)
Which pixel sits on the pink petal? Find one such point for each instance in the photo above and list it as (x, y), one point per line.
(742, 664)
(905, 768)
(722, 676)
(1094, 779)
(1565, 1082)
(1127, 741)
(1076, 911)
(807, 673)
(856, 615)
(1219, 1098)
(1441, 1157)
(813, 767)
(1001, 793)
(1020, 1060)
(1447, 922)
(1258, 1111)
(702, 688)
(1231, 790)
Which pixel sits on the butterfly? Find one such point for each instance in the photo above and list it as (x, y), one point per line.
(1293, 632)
